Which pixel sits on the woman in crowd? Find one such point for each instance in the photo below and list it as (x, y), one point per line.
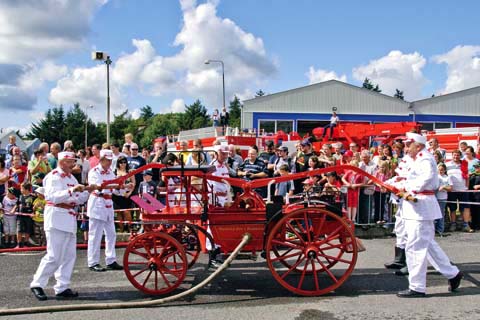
(123, 203)
(442, 195)
(471, 159)
(380, 195)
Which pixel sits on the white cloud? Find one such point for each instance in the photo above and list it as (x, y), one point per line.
(463, 68)
(320, 75)
(87, 86)
(129, 66)
(136, 113)
(33, 30)
(38, 75)
(178, 105)
(395, 71)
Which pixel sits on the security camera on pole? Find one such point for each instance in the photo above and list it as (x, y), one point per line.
(103, 56)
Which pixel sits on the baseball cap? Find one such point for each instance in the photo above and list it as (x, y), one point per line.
(306, 142)
(348, 153)
(66, 155)
(40, 190)
(285, 149)
(415, 137)
(106, 153)
(221, 148)
(148, 173)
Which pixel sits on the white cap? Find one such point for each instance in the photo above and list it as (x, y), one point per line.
(106, 153)
(221, 148)
(40, 190)
(67, 155)
(415, 137)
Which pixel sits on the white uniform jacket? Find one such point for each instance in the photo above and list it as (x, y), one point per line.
(58, 192)
(100, 204)
(422, 182)
(220, 189)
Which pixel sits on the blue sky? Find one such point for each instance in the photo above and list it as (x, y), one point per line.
(158, 49)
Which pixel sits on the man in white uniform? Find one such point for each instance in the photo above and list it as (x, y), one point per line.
(421, 183)
(62, 193)
(100, 212)
(221, 195)
(399, 182)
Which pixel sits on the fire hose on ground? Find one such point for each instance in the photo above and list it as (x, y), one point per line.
(129, 305)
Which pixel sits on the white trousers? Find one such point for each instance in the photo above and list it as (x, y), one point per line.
(399, 230)
(96, 230)
(422, 247)
(59, 260)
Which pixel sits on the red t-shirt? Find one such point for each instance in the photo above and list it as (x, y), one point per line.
(18, 178)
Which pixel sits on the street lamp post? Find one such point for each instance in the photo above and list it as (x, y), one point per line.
(223, 76)
(103, 56)
(108, 62)
(86, 126)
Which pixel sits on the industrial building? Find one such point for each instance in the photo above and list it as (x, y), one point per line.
(305, 108)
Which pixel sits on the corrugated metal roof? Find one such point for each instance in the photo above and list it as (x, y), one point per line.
(465, 103)
(321, 97)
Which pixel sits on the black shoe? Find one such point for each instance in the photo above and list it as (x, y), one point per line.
(402, 272)
(97, 268)
(410, 294)
(114, 266)
(454, 283)
(39, 293)
(67, 294)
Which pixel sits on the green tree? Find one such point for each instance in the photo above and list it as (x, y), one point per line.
(120, 125)
(161, 125)
(235, 112)
(195, 116)
(367, 84)
(51, 128)
(74, 128)
(259, 93)
(399, 94)
(146, 113)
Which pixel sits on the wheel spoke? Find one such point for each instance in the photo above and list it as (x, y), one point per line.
(328, 271)
(283, 257)
(165, 279)
(296, 233)
(336, 259)
(315, 276)
(148, 277)
(302, 277)
(286, 244)
(307, 226)
(141, 254)
(143, 270)
(295, 265)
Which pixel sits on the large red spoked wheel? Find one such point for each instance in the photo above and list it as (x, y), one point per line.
(311, 251)
(155, 263)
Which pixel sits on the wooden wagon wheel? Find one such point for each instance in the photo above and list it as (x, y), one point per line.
(155, 263)
(311, 251)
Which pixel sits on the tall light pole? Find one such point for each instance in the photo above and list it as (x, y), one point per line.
(86, 126)
(103, 56)
(223, 77)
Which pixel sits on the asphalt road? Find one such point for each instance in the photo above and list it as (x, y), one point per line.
(247, 290)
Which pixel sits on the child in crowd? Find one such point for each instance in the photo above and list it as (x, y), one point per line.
(442, 195)
(9, 217)
(380, 194)
(148, 185)
(287, 187)
(24, 207)
(353, 181)
(38, 207)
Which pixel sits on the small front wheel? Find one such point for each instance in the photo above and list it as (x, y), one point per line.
(155, 263)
